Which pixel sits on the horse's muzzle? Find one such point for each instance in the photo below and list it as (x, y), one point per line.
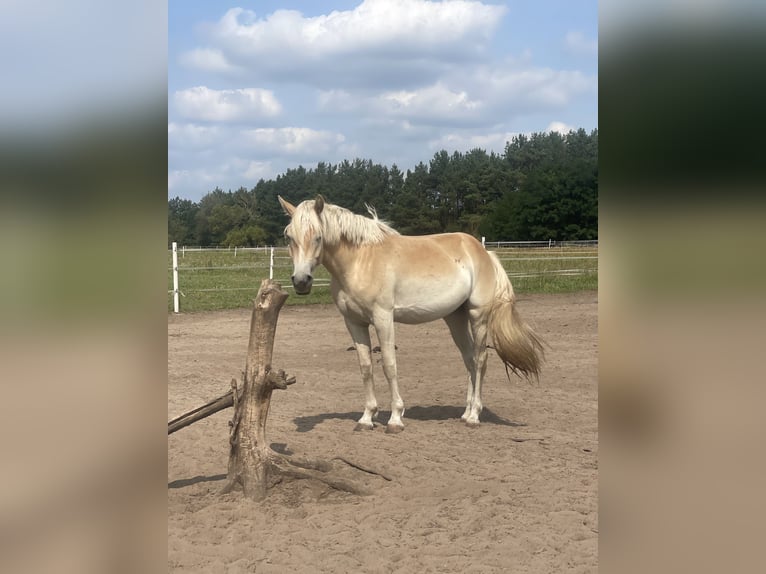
(303, 284)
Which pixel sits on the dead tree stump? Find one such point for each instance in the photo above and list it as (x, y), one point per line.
(253, 465)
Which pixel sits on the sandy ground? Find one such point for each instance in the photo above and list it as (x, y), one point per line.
(517, 494)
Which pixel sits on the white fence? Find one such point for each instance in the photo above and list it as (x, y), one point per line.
(571, 257)
(550, 244)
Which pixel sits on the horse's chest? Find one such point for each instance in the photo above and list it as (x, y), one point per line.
(351, 308)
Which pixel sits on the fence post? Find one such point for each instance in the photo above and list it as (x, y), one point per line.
(550, 242)
(235, 251)
(271, 264)
(483, 241)
(175, 277)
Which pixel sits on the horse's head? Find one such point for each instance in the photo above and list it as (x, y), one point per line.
(304, 240)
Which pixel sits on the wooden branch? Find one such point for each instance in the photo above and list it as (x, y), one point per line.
(277, 380)
(222, 402)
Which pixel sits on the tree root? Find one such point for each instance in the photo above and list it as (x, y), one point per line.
(362, 468)
(331, 481)
(278, 466)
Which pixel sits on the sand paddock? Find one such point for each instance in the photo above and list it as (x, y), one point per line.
(517, 494)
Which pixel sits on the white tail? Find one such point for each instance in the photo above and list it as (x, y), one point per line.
(517, 345)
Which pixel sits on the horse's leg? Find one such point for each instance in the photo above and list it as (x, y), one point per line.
(360, 333)
(478, 319)
(460, 329)
(384, 327)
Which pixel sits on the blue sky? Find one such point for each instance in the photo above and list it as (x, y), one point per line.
(256, 88)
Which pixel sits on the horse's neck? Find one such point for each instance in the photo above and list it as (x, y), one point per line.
(338, 259)
(343, 256)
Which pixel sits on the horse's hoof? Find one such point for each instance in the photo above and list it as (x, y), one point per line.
(472, 424)
(394, 429)
(362, 427)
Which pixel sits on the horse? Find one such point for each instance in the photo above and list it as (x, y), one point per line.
(379, 277)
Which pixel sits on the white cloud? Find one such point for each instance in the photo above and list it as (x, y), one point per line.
(370, 27)
(184, 179)
(258, 169)
(229, 172)
(207, 60)
(576, 43)
(406, 41)
(494, 141)
(559, 127)
(192, 135)
(488, 95)
(436, 104)
(244, 104)
(533, 88)
(433, 103)
(340, 101)
(293, 140)
(202, 157)
(491, 141)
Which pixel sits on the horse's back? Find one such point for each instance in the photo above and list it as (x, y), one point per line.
(457, 243)
(439, 255)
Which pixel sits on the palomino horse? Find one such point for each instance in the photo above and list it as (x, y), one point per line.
(379, 277)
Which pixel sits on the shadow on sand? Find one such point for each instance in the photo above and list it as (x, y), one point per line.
(182, 482)
(418, 413)
(279, 447)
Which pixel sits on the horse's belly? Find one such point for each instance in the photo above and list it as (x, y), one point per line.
(429, 305)
(415, 315)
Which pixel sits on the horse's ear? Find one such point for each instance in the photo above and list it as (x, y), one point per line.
(319, 204)
(287, 206)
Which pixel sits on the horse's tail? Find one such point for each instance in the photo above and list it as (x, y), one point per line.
(517, 345)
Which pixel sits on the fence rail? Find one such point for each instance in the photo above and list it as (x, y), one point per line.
(224, 277)
(549, 244)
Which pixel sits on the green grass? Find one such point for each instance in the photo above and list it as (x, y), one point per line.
(554, 270)
(218, 279)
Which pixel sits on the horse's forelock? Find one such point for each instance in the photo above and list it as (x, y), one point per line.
(305, 219)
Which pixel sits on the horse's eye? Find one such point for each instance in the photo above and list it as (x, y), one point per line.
(318, 239)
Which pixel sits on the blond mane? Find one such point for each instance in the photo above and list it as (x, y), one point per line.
(338, 223)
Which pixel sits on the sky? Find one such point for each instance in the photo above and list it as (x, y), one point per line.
(257, 88)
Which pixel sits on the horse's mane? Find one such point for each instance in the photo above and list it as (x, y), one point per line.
(338, 223)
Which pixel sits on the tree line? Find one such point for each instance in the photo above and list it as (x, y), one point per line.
(544, 186)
